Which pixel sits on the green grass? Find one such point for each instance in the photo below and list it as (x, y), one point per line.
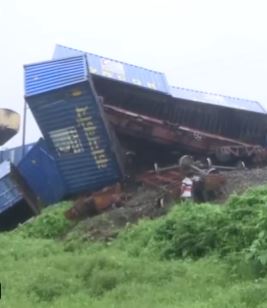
(40, 273)
(196, 256)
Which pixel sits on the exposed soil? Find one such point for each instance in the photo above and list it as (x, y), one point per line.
(144, 204)
(240, 180)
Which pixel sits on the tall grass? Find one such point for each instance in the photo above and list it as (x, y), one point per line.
(196, 256)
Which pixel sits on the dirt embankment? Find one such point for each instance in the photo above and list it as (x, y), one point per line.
(240, 180)
(144, 203)
(106, 226)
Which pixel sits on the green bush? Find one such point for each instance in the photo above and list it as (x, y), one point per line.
(195, 256)
(50, 224)
(196, 231)
(191, 231)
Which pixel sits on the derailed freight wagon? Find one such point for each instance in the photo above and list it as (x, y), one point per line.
(239, 119)
(68, 111)
(227, 121)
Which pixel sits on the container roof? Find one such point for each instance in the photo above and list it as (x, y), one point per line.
(217, 99)
(50, 75)
(154, 80)
(117, 70)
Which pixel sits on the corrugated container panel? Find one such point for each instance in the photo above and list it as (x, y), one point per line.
(14, 155)
(9, 192)
(51, 75)
(117, 70)
(216, 99)
(74, 127)
(41, 173)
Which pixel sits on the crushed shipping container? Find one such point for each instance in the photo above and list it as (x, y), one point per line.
(15, 155)
(17, 201)
(40, 171)
(68, 111)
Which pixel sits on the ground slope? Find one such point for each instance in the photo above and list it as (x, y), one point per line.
(195, 256)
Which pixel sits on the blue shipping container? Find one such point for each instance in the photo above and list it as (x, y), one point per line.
(117, 70)
(63, 101)
(132, 74)
(17, 201)
(15, 155)
(51, 75)
(41, 173)
(9, 191)
(217, 99)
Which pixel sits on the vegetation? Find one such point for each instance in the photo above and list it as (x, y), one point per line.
(195, 256)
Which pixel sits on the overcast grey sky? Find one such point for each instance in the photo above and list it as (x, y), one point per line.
(212, 45)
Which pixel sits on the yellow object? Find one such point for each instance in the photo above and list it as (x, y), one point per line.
(9, 124)
(9, 119)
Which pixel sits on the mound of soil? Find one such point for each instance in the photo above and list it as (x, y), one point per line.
(143, 204)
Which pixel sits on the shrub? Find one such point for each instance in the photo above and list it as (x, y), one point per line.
(50, 224)
(195, 231)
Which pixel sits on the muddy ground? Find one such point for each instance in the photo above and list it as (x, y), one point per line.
(144, 204)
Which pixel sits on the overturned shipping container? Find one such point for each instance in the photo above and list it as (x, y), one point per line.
(64, 103)
(147, 93)
(26, 188)
(17, 201)
(40, 171)
(235, 118)
(15, 155)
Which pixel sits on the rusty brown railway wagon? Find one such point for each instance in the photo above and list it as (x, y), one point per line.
(147, 93)
(179, 137)
(238, 119)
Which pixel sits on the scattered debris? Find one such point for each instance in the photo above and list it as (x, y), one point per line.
(97, 202)
(207, 185)
(142, 204)
(17, 201)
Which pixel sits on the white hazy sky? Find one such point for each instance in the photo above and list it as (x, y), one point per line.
(212, 45)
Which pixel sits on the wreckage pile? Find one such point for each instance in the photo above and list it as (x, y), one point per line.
(110, 128)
